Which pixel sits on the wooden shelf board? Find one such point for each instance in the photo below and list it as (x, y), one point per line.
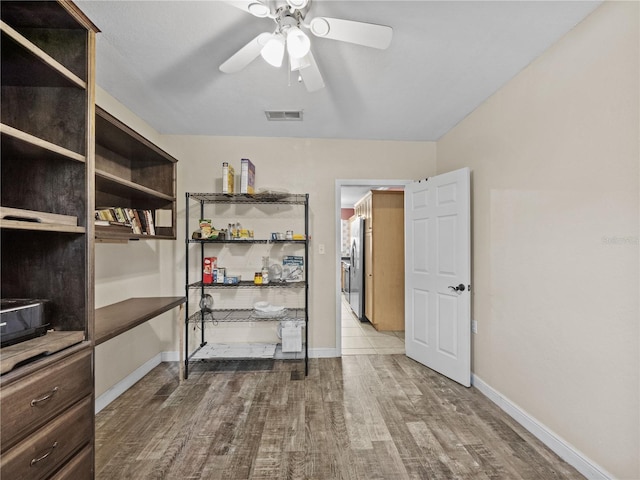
(115, 319)
(122, 139)
(40, 227)
(26, 140)
(103, 232)
(128, 188)
(63, 72)
(50, 343)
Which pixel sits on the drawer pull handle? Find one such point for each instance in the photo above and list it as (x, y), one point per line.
(36, 401)
(39, 459)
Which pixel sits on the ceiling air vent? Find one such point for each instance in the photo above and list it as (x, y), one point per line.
(283, 116)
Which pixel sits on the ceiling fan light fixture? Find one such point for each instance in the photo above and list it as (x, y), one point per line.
(273, 51)
(258, 9)
(298, 4)
(298, 44)
(299, 63)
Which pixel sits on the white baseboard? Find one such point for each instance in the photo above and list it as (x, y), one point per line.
(123, 385)
(323, 353)
(170, 356)
(564, 450)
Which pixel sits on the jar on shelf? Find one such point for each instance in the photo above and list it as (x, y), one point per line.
(257, 278)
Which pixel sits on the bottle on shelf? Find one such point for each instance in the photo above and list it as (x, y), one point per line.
(265, 270)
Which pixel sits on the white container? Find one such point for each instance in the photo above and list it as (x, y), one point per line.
(291, 338)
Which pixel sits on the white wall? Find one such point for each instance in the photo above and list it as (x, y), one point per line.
(555, 157)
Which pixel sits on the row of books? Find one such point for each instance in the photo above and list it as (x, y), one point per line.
(247, 177)
(140, 221)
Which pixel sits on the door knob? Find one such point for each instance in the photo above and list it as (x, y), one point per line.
(459, 288)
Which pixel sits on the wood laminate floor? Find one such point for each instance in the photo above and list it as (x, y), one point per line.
(370, 417)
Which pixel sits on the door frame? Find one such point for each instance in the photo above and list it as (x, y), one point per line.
(339, 183)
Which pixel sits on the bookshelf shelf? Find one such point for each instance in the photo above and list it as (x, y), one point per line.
(114, 232)
(132, 172)
(46, 72)
(131, 190)
(30, 146)
(39, 227)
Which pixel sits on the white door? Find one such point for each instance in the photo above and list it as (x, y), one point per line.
(438, 274)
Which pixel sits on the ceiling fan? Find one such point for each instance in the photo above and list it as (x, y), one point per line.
(290, 18)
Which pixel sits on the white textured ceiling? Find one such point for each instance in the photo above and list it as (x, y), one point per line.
(161, 58)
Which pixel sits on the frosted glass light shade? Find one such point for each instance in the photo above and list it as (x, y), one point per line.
(299, 63)
(273, 51)
(299, 4)
(298, 44)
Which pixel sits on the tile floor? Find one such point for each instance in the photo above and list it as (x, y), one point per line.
(360, 338)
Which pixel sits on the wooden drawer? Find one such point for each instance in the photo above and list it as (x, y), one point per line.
(79, 467)
(42, 453)
(31, 401)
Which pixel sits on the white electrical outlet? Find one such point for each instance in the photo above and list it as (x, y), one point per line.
(474, 326)
(321, 249)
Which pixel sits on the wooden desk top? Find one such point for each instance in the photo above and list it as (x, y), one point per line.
(117, 318)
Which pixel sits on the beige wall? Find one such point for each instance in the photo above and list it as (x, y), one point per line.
(137, 269)
(555, 170)
(302, 166)
(149, 268)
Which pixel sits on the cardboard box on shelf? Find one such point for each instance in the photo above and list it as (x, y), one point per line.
(293, 268)
(209, 264)
(247, 176)
(228, 178)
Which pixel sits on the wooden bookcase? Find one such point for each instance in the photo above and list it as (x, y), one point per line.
(132, 172)
(47, 182)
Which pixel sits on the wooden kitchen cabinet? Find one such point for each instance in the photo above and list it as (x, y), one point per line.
(383, 211)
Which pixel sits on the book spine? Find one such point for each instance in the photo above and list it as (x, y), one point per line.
(141, 220)
(150, 224)
(135, 224)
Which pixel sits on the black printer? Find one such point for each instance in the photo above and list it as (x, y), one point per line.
(21, 319)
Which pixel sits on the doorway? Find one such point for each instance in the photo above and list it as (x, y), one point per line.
(354, 337)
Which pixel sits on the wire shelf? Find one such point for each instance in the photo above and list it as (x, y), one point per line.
(242, 241)
(244, 315)
(267, 197)
(247, 284)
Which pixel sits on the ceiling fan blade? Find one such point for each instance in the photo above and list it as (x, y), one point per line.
(311, 75)
(257, 8)
(360, 33)
(245, 55)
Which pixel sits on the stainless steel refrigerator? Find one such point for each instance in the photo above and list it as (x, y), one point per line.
(356, 273)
